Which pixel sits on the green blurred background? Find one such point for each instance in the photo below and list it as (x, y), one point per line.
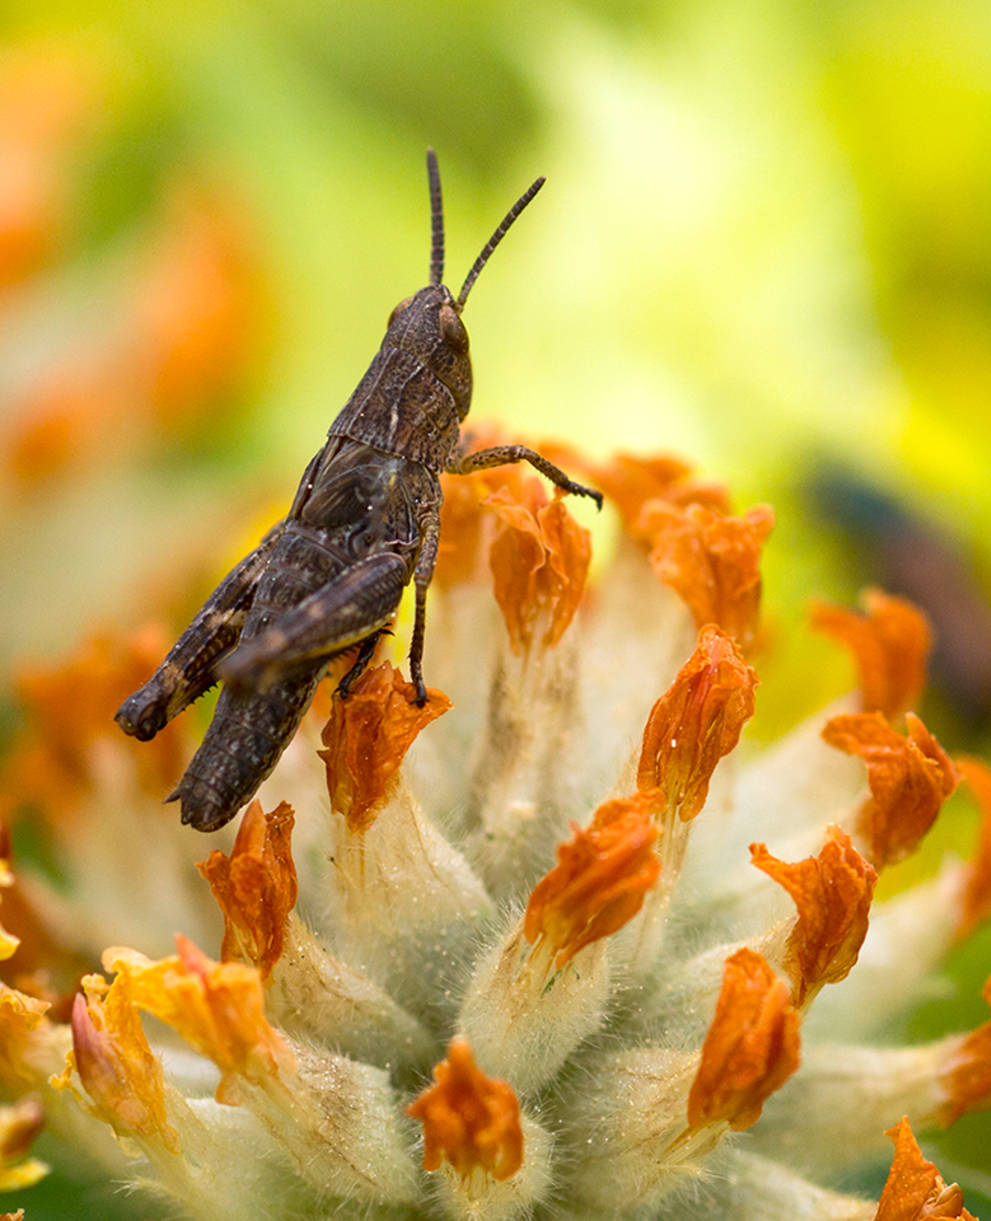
(763, 244)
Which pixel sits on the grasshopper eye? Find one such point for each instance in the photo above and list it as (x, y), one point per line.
(398, 310)
(452, 329)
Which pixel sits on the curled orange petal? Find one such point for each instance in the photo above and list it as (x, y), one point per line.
(696, 722)
(712, 561)
(367, 737)
(217, 1007)
(833, 893)
(890, 642)
(909, 778)
(751, 1049)
(600, 881)
(468, 1118)
(255, 886)
(121, 1074)
(915, 1190)
(539, 559)
(976, 902)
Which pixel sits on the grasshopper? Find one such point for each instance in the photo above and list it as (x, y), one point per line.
(327, 579)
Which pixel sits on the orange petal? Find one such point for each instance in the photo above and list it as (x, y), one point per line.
(600, 880)
(468, 1118)
(70, 706)
(712, 561)
(632, 481)
(976, 902)
(218, 1008)
(539, 559)
(696, 722)
(120, 1073)
(21, 1021)
(751, 1049)
(192, 308)
(367, 737)
(465, 525)
(890, 643)
(915, 1190)
(909, 777)
(255, 886)
(832, 892)
(966, 1076)
(21, 1124)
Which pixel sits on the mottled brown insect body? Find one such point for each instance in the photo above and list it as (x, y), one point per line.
(328, 578)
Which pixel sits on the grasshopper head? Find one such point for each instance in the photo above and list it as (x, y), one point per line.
(428, 325)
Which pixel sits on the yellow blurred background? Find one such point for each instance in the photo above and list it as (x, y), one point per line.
(763, 245)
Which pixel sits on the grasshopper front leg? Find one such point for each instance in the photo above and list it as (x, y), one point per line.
(189, 670)
(422, 576)
(501, 455)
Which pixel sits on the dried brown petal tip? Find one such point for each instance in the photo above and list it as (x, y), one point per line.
(696, 722)
(255, 886)
(976, 900)
(712, 561)
(833, 893)
(915, 1190)
(909, 778)
(600, 881)
(751, 1049)
(367, 737)
(890, 641)
(539, 559)
(468, 1118)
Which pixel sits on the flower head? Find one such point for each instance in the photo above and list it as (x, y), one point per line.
(544, 900)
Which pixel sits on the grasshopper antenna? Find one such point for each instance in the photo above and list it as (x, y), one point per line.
(495, 239)
(436, 221)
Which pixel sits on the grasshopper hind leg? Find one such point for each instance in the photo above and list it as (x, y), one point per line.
(245, 740)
